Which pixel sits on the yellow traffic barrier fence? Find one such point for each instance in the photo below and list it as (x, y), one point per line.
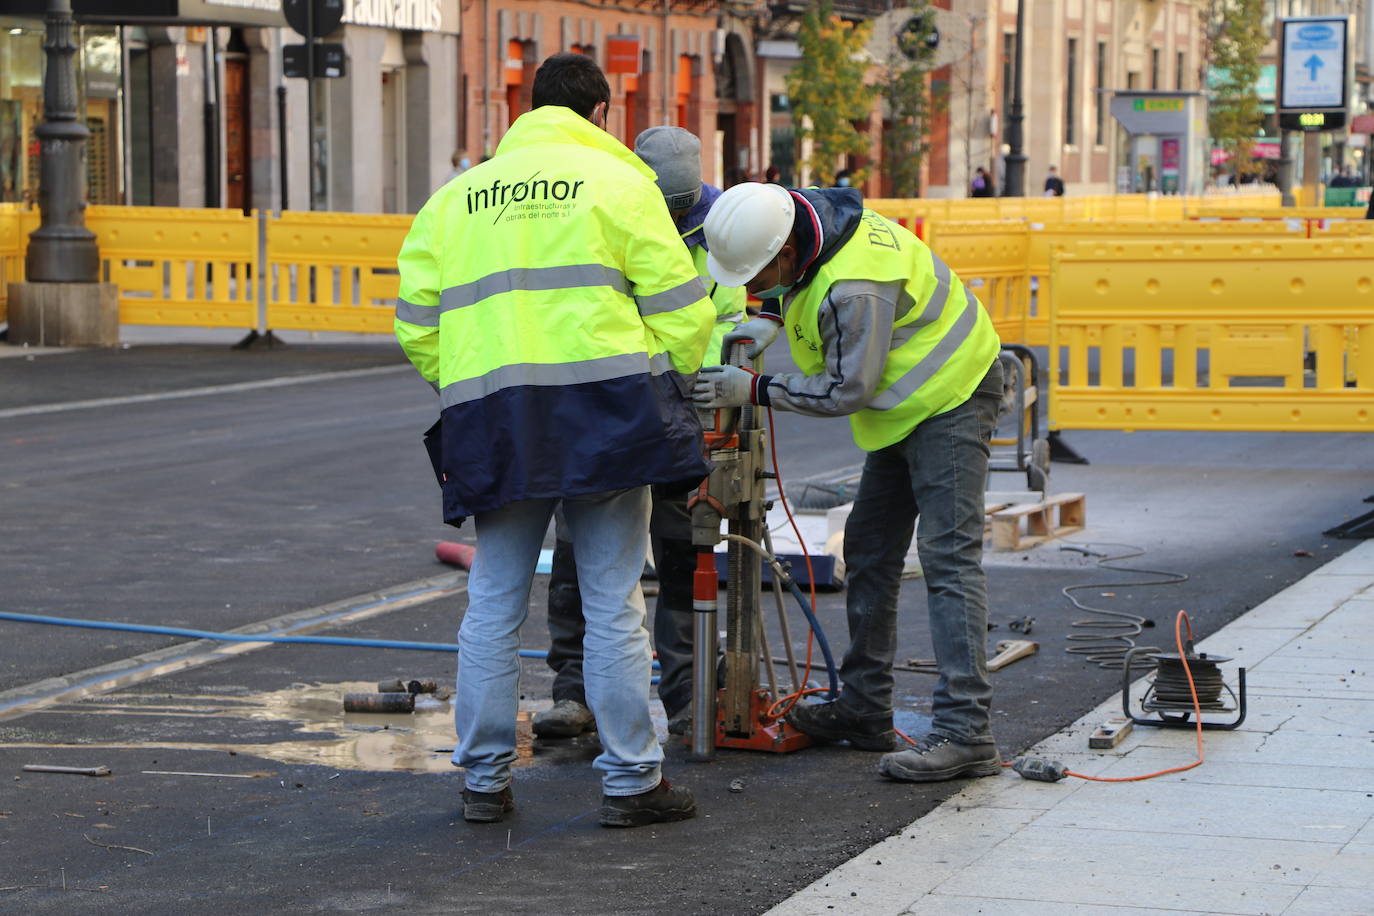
(178, 266)
(1249, 334)
(333, 271)
(991, 257)
(1007, 262)
(1349, 227)
(337, 271)
(12, 244)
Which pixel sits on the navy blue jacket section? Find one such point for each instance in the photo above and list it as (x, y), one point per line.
(697, 215)
(533, 441)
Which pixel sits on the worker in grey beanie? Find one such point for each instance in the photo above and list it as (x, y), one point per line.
(675, 156)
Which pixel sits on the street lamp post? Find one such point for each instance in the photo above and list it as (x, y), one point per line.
(61, 249)
(1015, 183)
(62, 302)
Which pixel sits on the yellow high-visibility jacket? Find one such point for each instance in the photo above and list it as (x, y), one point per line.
(548, 297)
(882, 330)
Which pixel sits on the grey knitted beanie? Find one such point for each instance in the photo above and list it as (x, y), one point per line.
(675, 155)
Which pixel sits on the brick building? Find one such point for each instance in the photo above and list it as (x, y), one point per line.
(682, 62)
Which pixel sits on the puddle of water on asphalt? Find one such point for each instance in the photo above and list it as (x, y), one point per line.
(419, 742)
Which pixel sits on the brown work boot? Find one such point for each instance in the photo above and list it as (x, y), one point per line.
(663, 803)
(835, 722)
(487, 807)
(936, 758)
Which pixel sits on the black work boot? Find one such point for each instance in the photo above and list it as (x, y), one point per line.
(487, 807)
(936, 758)
(835, 722)
(567, 719)
(662, 803)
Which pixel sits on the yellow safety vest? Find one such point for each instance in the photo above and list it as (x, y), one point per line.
(728, 300)
(942, 339)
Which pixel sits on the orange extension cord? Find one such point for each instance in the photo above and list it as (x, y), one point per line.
(1180, 621)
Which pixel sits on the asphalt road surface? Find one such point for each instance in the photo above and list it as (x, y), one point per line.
(122, 499)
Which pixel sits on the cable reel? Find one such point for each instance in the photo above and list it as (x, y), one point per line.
(1168, 699)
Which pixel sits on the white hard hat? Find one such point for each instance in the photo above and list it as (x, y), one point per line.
(748, 224)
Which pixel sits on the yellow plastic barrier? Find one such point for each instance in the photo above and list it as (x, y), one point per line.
(991, 257)
(1214, 335)
(176, 266)
(1007, 260)
(1328, 213)
(12, 244)
(333, 271)
(1347, 228)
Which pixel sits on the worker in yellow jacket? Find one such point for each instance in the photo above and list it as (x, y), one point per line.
(547, 296)
(674, 154)
(886, 334)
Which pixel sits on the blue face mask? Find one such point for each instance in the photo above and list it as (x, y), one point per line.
(774, 292)
(465, 163)
(842, 183)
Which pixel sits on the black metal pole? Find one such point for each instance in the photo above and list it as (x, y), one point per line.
(310, 92)
(1015, 183)
(281, 143)
(1285, 166)
(61, 249)
(212, 195)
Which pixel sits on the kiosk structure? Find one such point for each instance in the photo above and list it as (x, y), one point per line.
(1166, 149)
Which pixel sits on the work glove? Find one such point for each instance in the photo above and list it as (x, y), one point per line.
(759, 330)
(724, 386)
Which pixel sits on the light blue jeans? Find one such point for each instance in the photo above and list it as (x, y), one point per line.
(609, 531)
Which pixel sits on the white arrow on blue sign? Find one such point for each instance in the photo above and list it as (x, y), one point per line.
(1313, 63)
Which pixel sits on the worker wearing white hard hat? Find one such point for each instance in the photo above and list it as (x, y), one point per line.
(886, 334)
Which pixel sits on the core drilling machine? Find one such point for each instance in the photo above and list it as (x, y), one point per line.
(736, 446)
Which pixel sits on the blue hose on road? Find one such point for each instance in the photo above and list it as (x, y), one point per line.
(820, 635)
(260, 637)
(240, 637)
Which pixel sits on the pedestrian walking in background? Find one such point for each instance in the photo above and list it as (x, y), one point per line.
(1054, 185)
(461, 163)
(886, 334)
(675, 156)
(981, 186)
(550, 301)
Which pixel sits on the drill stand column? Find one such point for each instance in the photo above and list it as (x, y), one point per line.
(734, 492)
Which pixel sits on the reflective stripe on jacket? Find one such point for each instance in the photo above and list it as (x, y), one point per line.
(548, 297)
(886, 333)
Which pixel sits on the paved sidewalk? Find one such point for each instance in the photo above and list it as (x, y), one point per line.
(1278, 820)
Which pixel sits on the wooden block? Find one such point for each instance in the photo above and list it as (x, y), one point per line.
(1056, 516)
(1110, 733)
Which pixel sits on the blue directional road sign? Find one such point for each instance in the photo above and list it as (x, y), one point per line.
(1313, 64)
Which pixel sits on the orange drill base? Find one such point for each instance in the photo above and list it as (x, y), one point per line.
(773, 735)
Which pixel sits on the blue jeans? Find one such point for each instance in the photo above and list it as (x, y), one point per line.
(938, 471)
(675, 560)
(608, 529)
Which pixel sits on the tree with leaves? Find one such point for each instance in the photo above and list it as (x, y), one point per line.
(910, 99)
(827, 89)
(1236, 37)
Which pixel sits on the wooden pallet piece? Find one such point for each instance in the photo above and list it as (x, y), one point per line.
(1056, 516)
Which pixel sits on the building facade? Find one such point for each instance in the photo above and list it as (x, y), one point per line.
(1077, 53)
(688, 64)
